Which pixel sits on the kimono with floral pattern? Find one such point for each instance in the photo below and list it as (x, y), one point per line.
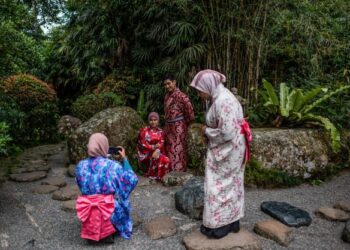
(147, 139)
(99, 175)
(224, 172)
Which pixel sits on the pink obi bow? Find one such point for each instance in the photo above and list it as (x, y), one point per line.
(95, 211)
(245, 129)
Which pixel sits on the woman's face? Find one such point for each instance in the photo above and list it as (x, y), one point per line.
(153, 122)
(169, 85)
(203, 95)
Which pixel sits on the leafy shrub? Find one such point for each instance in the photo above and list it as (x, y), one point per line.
(4, 138)
(88, 105)
(28, 91)
(29, 106)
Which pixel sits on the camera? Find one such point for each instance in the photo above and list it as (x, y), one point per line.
(114, 150)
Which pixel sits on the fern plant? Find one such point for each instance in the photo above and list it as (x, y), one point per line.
(293, 106)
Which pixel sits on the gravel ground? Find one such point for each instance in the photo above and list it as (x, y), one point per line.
(35, 221)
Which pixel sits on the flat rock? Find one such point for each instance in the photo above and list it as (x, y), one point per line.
(243, 240)
(286, 213)
(54, 181)
(143, 181)
(44, 189)
(343, 205)
(32, 166)
(330, 213)
(71, 170)
(27, 177)
(70, 192)
(346, 232)
(176, 178)
(68, 206)
(136, 219)
(160, 227)
(274, 230)
(190, 199)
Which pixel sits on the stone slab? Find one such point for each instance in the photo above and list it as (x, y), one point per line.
(176, 178)
(286, 213)
(28, 177)
(343, 205)
(243, 240)
(68, 206)
(274, 230)
(346, 232)
(54, 181)
(330, 213)
(44, 189)
(160, 227)
(71, 170)
(70, 192)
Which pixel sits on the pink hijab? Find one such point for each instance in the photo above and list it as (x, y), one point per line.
(153, 115)
(207, 81)
(98, 145)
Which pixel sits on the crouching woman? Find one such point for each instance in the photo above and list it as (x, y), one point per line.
(104, 206)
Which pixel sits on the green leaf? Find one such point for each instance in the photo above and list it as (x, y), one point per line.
(271, 92)
(284, 90)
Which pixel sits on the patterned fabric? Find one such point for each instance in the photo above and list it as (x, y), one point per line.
(148, 138)
(99, 175)
(224, 172)
(177, 104)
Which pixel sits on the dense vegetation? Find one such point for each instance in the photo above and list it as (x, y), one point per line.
(120, 49)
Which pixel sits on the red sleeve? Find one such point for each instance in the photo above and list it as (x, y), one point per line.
(161, 141)
(142, 139)
(187, 109)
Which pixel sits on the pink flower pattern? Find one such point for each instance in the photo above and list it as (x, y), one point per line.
(223, 187)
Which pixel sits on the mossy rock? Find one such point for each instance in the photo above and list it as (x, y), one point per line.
(120, 125)
(197, 148)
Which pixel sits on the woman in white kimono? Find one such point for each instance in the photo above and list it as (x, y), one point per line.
(228, 135)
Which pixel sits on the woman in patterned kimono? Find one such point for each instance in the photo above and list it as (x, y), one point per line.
(226, 132)
(178, 114)
(150, 149)
(100, 175)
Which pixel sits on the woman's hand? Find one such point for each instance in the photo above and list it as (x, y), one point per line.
(122, 152)
(155, 154)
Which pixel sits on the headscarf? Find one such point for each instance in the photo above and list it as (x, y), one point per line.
(98, 145)
(207, 81)
(153, 115)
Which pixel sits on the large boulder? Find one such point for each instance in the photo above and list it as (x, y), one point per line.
(68, 124)
(299, 152)
(120, 125)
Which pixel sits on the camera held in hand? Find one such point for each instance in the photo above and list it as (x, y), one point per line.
(114, 150)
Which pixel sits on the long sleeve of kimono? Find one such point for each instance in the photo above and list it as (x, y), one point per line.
(162, 140)
(187, 109)
(142, 140)
(228, 125)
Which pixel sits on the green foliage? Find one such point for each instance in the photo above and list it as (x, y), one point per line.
(256, 175)
(294, 108)
(88, 105)
(141, 105)
(4, 138)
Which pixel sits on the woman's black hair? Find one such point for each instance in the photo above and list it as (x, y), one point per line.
(168, 76)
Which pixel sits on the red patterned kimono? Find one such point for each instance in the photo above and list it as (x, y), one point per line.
(178, 113)
(148, 138)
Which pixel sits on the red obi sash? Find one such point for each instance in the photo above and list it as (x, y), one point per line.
(95, 212)
(245, 129)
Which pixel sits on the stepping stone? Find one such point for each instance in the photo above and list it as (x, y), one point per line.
(161, 227)
(136, 219)
(30, 169)
(286, 213)
(188, 226)
(332, 214)
(54, 181)
(68, 206)
(274, 230)
(27, 177)
(346, 233)
(243, 240)
(343, 205)
(190, 199)
(44, 189)
(176, 178)
(70, 192)
(71, 170)
(143, 181)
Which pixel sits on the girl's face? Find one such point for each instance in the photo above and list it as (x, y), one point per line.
(169, 85)
(153, 122)
(203, 95)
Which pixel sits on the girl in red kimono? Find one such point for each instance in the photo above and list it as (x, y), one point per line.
(178, 114)
(150, 149)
